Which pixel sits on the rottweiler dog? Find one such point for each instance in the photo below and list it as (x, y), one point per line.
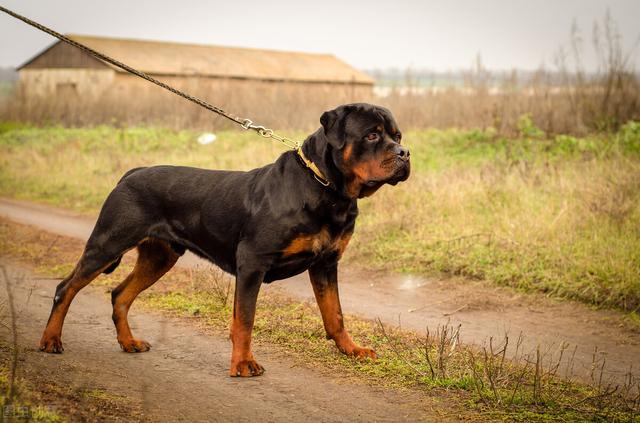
(266, 224)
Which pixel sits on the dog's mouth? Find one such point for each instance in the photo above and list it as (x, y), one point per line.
(401, 175)
(399, 172)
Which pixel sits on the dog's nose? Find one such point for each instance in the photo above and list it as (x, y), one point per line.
(403, 152)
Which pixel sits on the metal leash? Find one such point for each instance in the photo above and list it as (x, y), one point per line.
(244, 123)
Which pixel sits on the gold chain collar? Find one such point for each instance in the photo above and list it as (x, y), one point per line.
(316, 172)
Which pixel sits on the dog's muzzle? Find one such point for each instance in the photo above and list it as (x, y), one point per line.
(403, 165)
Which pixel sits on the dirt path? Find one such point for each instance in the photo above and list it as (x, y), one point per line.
(184, 377)
(483, 310)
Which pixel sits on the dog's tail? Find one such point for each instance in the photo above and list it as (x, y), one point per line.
(113, 266)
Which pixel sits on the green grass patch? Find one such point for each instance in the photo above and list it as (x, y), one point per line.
(26, 403)
(558, 215)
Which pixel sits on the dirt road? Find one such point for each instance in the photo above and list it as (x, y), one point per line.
(483, 310)
(184, 377)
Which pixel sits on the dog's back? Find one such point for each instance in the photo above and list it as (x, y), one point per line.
(184, 206)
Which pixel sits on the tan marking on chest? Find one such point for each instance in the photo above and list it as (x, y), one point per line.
(316, 243)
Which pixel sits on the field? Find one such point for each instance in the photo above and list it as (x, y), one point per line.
(500, 282)
(555, 214)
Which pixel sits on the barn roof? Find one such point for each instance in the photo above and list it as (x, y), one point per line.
(168, 58)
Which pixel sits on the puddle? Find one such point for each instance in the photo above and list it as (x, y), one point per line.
(411, 282)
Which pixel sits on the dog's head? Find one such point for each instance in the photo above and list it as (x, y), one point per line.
(362, 142)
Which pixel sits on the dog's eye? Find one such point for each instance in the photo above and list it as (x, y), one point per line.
(372, 137)
(397, 136)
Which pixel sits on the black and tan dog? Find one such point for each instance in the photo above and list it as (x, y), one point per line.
(267, 224)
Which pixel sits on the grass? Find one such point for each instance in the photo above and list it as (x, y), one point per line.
(559, 215)
(28, 403)
(19, 410)
(497, 381)
(39, 398)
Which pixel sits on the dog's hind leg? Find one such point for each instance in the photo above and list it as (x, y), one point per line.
(155, 258)
(120, 227)
(85, 271)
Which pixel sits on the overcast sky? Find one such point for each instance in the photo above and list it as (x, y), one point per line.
(439, 35)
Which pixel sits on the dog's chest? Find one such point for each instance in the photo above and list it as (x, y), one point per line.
(320, 243)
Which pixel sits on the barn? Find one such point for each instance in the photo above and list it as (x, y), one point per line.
(227, 76)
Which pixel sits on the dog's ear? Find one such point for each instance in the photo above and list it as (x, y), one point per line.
(333, 125)
(328, 120)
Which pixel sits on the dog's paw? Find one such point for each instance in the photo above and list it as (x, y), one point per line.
(134, 345)
(362, 353)
(246, 368)
(51, 345)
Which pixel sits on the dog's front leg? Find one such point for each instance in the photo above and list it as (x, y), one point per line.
(324, 279)
(244, 309)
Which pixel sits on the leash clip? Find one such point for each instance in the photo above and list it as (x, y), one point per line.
(260, 129)
(263, 131)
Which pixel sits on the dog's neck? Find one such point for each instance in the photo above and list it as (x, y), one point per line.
(317, 149)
